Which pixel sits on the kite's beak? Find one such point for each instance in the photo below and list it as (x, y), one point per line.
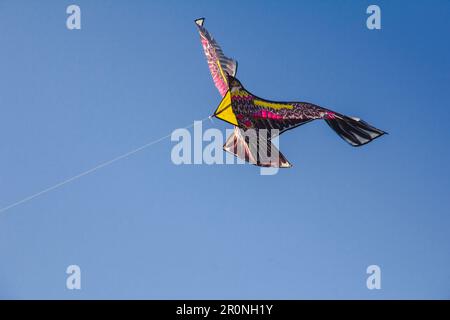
(225, 111)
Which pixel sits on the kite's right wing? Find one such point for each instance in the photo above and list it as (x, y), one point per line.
(260, 152)
(219, 65)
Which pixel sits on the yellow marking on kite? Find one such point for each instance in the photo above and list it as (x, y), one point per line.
(272, 105)
(225, 112)
(221, 72)
(242, 94)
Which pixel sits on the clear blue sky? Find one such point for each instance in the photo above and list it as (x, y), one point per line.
(145, 228)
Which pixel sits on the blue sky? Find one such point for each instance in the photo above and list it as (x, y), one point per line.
(144, 228)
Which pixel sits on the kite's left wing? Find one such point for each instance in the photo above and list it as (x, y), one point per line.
(219, 65)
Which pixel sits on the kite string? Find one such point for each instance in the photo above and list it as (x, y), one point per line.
(93, 169)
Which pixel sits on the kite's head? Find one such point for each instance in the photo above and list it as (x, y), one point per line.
(225, 109)
(234, 84)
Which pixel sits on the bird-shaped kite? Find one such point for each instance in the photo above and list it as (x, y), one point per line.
(255, 118)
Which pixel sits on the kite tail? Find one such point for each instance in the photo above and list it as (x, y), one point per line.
(355, 131)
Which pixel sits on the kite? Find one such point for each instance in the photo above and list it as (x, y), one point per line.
(258, 121)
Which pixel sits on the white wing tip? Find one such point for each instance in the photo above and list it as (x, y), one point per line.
(200, 22)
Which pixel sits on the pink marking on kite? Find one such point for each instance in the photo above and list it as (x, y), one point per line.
(330, 115)
(267, 115)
